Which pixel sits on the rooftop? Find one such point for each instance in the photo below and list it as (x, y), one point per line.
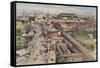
(67, 14)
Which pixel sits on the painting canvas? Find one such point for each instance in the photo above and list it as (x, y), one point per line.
(44, 33)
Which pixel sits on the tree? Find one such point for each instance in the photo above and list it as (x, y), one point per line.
(92, 47)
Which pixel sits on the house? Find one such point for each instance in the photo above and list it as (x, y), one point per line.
(53, 34)
(66, 27)
(31, 19)
(87, 25)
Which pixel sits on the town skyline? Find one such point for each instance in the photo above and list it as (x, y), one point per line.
(30, 9)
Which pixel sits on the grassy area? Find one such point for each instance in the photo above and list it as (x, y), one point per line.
(89, 43)
(83, 37)
(81, 34)
(19, 25)
(18, 39)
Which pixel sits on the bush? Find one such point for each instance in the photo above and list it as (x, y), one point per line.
(18, 47)
(92, 47)
(18, 31)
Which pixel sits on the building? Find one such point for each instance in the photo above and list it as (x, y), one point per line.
(69, 17)
(87, 25)
(24, 19)
(67, 27)
(32, 19)
(53, 34)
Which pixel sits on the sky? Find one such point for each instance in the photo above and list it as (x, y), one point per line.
(26, 8)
